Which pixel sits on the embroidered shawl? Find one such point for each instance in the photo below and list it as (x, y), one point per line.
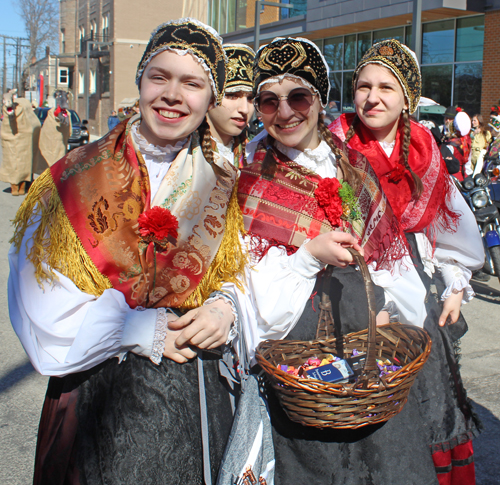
(432, 209)
(284, 212)
(89, 203)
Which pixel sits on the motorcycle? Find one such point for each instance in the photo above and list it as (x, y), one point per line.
(477, 190)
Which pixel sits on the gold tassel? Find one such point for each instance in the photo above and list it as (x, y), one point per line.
(229, 263)
(55, 242)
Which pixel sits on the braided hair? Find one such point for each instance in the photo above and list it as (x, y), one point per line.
(418, 187)
(350, 173)
(206, 141)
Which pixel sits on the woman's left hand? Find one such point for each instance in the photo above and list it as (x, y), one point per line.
(451, 308)
(205, 327)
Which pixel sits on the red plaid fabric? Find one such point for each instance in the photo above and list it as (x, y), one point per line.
(284, 212)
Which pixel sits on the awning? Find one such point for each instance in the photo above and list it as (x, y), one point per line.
(127, 102)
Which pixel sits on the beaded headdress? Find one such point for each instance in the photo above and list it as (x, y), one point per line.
(193, 36)
(239, 69)
(403, 63)
(295, 57)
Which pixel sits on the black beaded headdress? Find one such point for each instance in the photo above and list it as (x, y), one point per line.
(191, 35)
(239, 69)
(402, 61)
(296, 57)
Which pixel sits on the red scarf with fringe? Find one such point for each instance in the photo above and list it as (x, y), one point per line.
(284, 211)
(432, 209)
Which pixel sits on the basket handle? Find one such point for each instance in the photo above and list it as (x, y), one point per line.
(370, 369)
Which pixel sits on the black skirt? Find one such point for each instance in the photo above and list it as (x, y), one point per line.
(399, 451)
(134, 422)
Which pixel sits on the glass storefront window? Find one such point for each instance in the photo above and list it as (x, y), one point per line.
(231, 15)
(350, 51)
(408, 37)
(467, 87)
(333, 53)
(397, 33)
(241, 14)
(438, 42)
(364, 43)
(436, 83)
(347, 101)
(470, 39)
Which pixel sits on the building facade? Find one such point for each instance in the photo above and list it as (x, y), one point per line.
(460, 41)
(114, 33)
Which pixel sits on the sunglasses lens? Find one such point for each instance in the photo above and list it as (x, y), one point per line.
(300, 99)
(267, 103)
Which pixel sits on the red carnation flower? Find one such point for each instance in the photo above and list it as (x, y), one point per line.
(328, 198)
(397, 174)
(158, 225)
(458, 110)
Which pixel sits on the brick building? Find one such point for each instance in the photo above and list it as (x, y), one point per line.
(123, 28)
(460, 41)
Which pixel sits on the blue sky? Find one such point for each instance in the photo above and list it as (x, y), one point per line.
(10, 21)
(11, 24)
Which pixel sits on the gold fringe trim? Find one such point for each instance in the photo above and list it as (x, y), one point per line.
(55, 242)
(229, 263)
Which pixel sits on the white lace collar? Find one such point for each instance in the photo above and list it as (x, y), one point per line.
(309, 158)
(388, 147)
(156, 153)
(225, 150)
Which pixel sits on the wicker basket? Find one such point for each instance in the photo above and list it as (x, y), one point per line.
(372, 398)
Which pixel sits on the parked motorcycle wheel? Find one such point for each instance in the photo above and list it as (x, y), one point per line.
(495, 259)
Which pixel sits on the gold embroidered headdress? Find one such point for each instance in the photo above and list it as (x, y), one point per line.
(193, 36)
(294, 57)
(239, 69)
(403, 63)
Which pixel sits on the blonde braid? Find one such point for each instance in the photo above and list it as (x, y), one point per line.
(351, 174)
(206, 141)
(352, 129)
(405, 152)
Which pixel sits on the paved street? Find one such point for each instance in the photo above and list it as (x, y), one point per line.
(22, 390)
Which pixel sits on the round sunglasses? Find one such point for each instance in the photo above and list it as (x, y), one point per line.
(299, 99)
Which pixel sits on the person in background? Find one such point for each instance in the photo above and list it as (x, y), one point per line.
(20, 135)
(117, 252)
(442, 232)
(452, 163)
(481, 138)
(449, 116)
(459, 142)
(494, 128)
(113, 120)
(229, 121)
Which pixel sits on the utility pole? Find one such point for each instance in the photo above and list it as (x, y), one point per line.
(4, 77)
(17, 71)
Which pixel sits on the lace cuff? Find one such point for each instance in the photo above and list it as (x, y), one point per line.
(161, 328)
(456, 278)
(218, 295)
(304, 263)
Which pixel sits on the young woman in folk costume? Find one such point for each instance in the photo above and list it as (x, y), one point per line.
(110, 240)
(442, 232)
(298, 220)
(229, 121)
